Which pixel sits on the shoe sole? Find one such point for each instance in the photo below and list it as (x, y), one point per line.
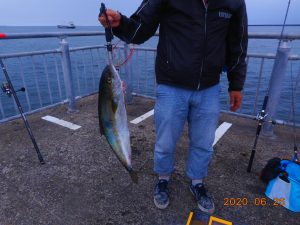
(160, 206)
(209, 211)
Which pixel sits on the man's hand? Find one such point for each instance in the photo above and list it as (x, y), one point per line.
(114, 18)
(235, 100)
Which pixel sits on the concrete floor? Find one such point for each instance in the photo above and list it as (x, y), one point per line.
(82, 182)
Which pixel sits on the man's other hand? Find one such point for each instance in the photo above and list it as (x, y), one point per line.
(235, 100)
(114, 18)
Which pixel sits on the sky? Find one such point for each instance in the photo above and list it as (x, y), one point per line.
(85, 12)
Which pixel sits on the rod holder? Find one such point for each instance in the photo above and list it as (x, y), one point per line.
(275, 86)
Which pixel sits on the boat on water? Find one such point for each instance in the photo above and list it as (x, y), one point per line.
(71, 25)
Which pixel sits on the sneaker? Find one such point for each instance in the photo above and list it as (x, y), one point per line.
(205, 203)
(161, 194)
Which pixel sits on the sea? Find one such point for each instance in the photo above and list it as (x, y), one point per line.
(41, 98)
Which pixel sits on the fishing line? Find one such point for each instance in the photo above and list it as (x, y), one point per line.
(121, 62)
(126, 60)
(284, 23)
(282, 31)
(279, 43)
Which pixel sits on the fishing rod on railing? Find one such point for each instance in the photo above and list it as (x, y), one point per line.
(262, 115)
(8, 88)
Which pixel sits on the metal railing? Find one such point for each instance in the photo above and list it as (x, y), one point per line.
(65, 74)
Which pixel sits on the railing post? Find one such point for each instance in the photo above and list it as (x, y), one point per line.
(275, 85)
(128, 75)
(67, 71)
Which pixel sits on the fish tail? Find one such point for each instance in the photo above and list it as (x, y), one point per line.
(134, 176)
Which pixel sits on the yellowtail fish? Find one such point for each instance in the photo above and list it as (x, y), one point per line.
(113, 117)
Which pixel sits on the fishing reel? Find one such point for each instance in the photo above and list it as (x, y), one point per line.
(6, 88)
(262, 117)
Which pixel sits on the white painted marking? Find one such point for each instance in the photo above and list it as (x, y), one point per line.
(221, 131)
(143, 117)
(63, 123)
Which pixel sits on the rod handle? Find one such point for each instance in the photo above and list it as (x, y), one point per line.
(251, 161)
(108, 31)
(265, 102)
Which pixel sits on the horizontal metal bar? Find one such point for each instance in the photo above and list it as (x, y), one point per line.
(274, 36)
(50, 35)
(43, 108)
(22, 54)
(271, 56)
(278, 122)
(145, 49)
(253, 55)
(87, 48)
(252, 35)
(104, 46)
(119, 47)
(31, 112)
(144, 96)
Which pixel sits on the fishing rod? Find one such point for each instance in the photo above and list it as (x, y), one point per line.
(295, 158)
(10, 91)
(262, 115)
(284, 24)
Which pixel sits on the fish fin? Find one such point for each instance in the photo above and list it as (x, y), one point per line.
(134, 176)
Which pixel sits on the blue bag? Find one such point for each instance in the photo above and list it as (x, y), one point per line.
(286, 192)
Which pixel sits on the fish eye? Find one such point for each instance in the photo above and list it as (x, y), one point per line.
(109, 80)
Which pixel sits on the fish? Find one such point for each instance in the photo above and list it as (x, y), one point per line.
(113, 117)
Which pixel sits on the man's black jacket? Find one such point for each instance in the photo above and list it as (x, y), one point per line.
(195, 41)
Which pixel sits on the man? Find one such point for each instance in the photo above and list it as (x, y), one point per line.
(197, 38)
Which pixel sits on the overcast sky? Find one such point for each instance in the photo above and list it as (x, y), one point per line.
(84, 12)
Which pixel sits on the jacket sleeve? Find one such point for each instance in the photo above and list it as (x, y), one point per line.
(236, 49)
(142, 24)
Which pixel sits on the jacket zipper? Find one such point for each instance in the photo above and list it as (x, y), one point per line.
(204, 50)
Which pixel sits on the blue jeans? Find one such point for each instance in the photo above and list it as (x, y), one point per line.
(173, 107)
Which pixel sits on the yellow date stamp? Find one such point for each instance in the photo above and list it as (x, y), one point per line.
(259, 201)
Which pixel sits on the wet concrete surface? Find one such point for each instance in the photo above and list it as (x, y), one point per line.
(82, 182)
